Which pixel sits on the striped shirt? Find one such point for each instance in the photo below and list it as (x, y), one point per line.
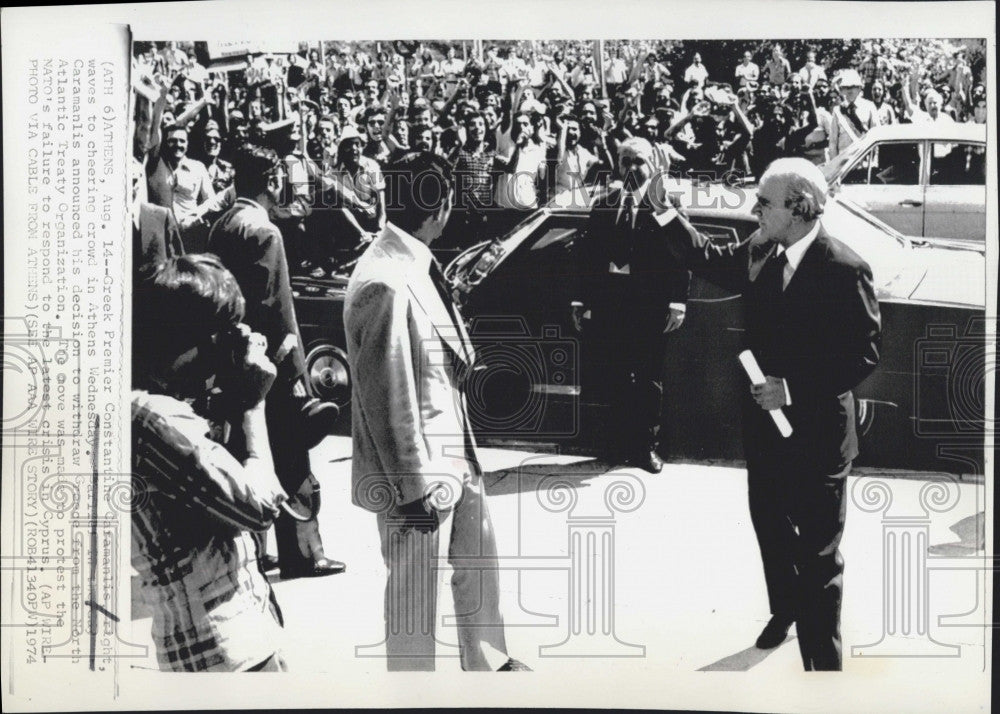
(474, 179)
(194, 503)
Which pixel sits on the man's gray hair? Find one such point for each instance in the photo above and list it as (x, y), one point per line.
(636, 146)
(805, 186)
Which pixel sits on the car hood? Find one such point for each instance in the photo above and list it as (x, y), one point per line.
(948, 276)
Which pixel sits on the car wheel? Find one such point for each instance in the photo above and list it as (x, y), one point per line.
(328, 373)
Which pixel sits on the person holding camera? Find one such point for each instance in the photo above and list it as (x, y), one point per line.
(197, 503)
(251, 246)
(415, 463)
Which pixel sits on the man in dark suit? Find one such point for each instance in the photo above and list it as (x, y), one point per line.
(633, 294)
(813, 324)
(251, 247)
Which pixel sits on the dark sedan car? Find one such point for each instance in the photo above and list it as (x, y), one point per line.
(921, 409)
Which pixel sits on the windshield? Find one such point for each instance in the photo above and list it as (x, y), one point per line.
(880, 246)
(835, 166)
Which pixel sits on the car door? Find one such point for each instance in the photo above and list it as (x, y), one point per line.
(955, 198)
(702, 381)
(886, 182)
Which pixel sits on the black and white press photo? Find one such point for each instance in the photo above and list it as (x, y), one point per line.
(649, 358)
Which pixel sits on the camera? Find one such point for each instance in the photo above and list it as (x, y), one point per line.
(950, 380)
(523, 386)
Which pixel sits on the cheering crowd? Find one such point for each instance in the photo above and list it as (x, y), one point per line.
(520, 126)
(300, 162)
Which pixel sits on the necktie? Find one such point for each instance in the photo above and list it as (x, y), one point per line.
(772, 275)
(852, 114)
(625, 225)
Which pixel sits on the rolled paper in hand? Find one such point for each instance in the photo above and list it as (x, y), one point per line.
(756, 376)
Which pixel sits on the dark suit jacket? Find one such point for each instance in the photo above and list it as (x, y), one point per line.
(822, 335)
(657, 278)
(251, 247)
(157, 236)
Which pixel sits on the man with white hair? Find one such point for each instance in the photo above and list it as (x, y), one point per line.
(633, 293)
(855, 115)
(812, 322)
(933, 102)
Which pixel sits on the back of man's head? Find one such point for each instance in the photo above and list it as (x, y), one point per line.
(805, 186)
(253, 167)
(181, 302)
(418, 184)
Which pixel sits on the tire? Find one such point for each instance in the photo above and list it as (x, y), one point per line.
(328, 373)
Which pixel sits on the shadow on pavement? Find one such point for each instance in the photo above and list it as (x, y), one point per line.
(743, 661)
(972, 532)
(527, 476)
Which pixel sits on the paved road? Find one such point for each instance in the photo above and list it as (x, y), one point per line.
(687, 593)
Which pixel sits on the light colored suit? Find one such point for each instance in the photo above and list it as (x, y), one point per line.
(408, 352)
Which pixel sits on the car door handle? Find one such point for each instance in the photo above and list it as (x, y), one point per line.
(910, 202)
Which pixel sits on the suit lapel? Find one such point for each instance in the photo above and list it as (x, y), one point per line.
(425, 297)
(451, 330)
(811, 263)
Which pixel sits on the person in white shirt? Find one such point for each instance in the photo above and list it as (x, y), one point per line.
(933, 103)
(811, 72)
(854, 117)
(573, 164)
(517, 188)
(696, 73)
(747, 71)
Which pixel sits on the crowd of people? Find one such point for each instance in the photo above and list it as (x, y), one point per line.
(521, 125)
(296, 165)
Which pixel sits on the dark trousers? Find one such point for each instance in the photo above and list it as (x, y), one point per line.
(298, 541)
(799, 521)
(623, 352)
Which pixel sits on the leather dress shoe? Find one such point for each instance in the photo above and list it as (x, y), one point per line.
(318, 420)
(774, 632)
(514, 665)
(313, 569)
(648, 461)
(268, 563)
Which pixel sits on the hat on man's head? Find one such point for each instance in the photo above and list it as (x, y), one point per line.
(275, 128)
(236, 116)
(850, 78)
(533, 106)
(351, 132)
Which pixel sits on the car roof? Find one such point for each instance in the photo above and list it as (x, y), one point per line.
(944, 131)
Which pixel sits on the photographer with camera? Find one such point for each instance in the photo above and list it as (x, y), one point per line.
(251, 246)
(196, 502)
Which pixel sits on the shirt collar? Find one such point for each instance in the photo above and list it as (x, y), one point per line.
(249, 202)
(419, 249)
(639, 193)
(799, 248)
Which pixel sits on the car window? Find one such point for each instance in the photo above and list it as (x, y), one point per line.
(895, 163)
(957, 163)
(553, 236)
(718, 234)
